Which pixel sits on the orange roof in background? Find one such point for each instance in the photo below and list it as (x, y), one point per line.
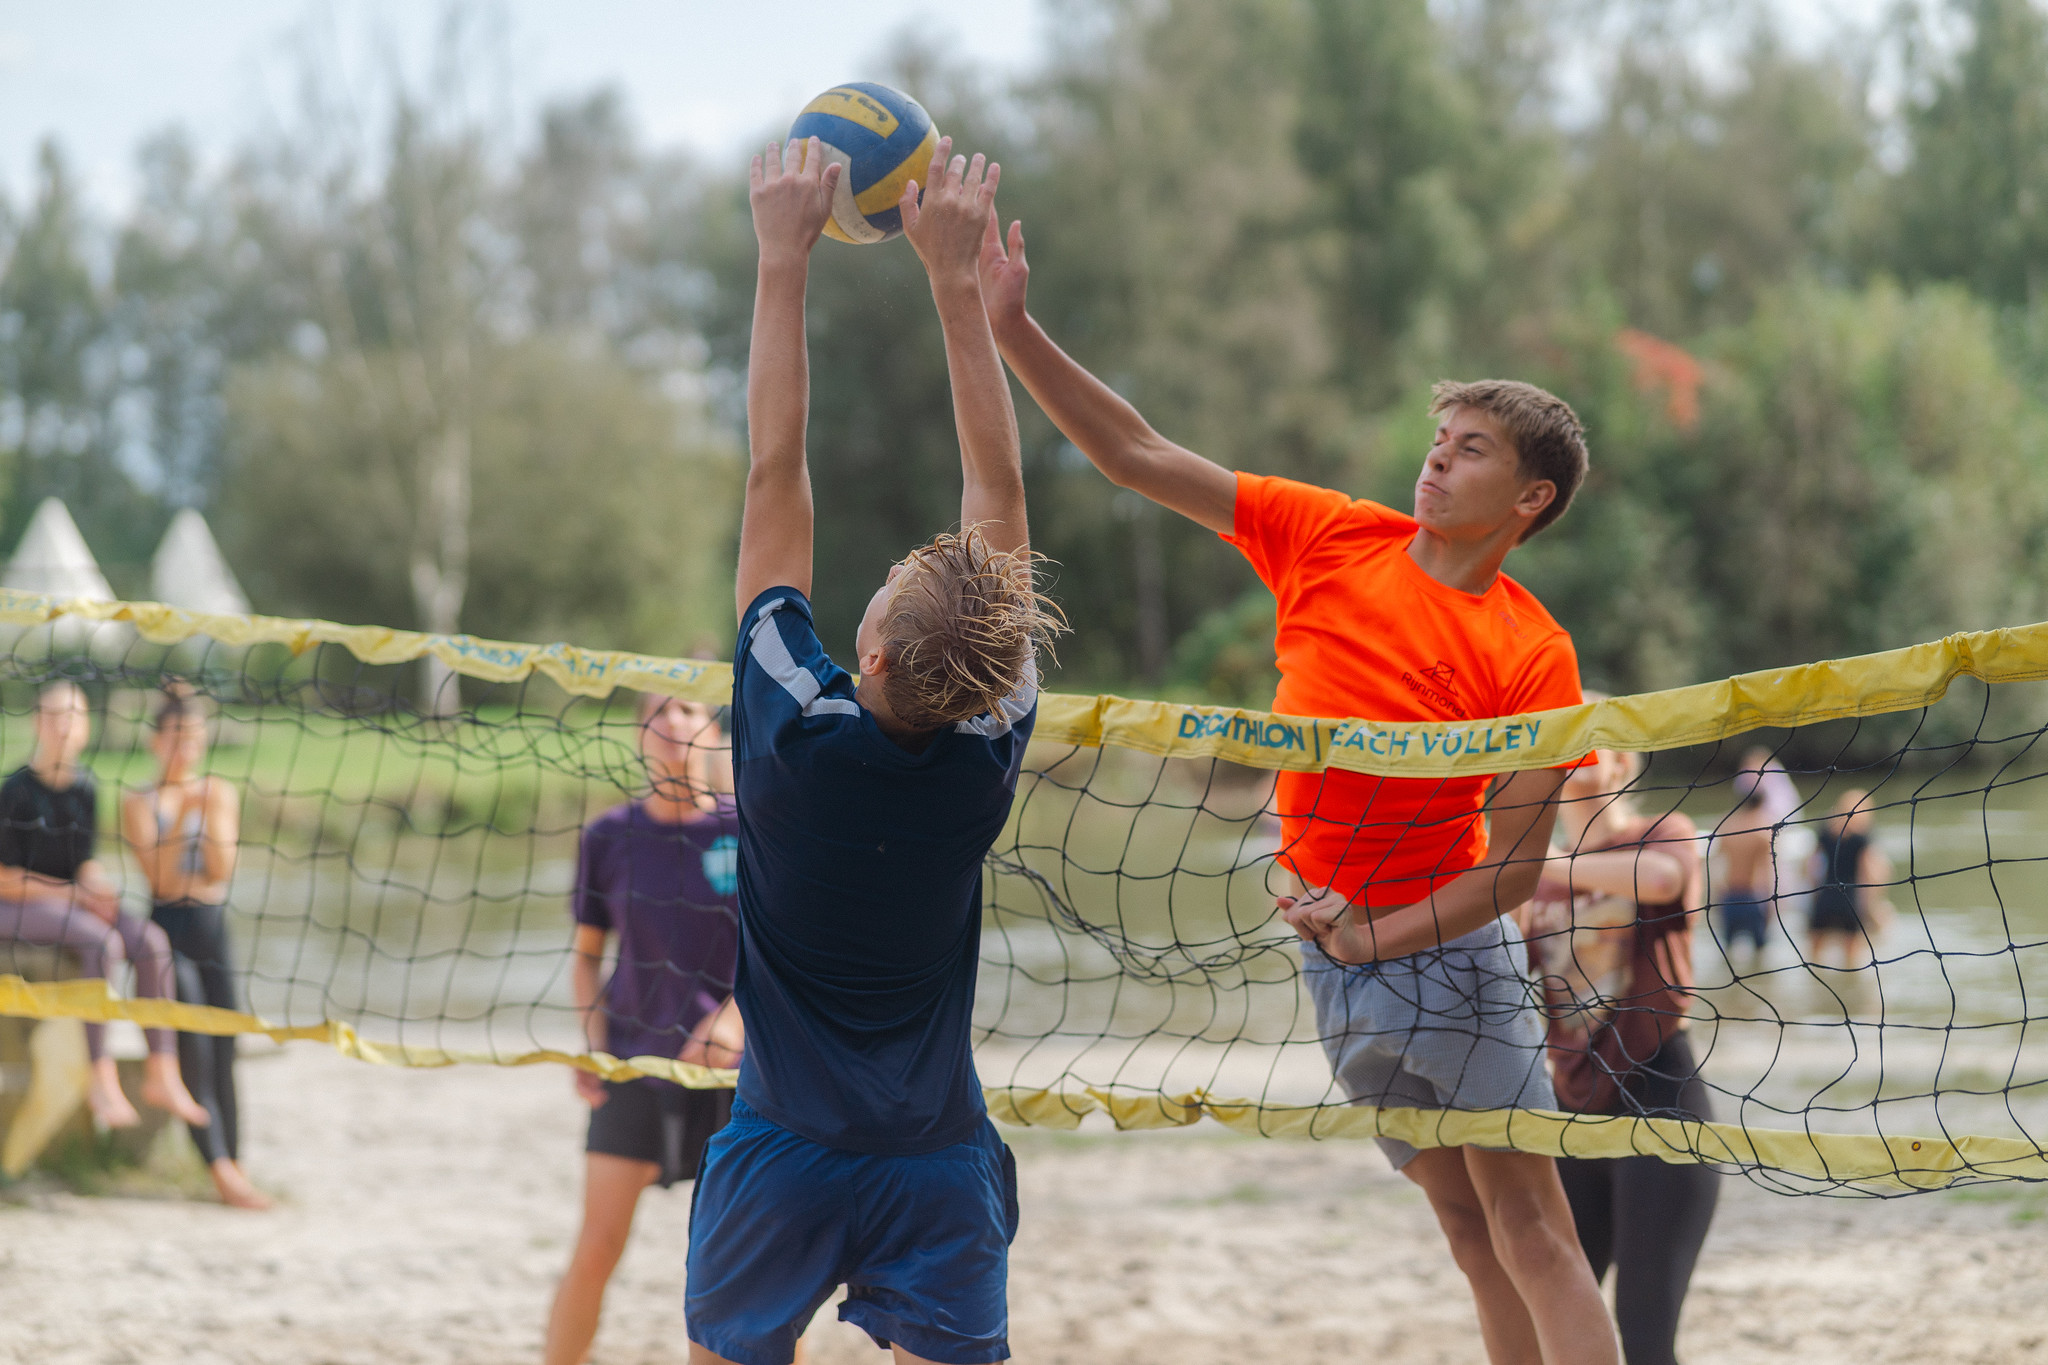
(1661, 365)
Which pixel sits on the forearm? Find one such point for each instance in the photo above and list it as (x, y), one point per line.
(778, 369)
(17, 883)
(1468, 902)
(584, 987)
(1096, 418)
(990, 455)
(1644, 875)
(776, 521)
(1114, 436)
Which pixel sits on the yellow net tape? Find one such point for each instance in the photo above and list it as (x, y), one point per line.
(1902, 1163)
(1868, 685)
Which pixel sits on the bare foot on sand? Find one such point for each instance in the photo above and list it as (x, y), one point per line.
(164, 1088)
(234, 1187)
(103, 1096)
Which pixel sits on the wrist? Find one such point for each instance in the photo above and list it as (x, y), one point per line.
(948, 284)
(1010, 327)
(783, 265)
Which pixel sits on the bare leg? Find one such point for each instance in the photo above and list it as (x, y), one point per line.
(234, 1188)
(701, 1356)
(164, 1088)
(611, 1191)
(1538, 1246)
(1504, 1322)
(162, 1085)
(104, 1096)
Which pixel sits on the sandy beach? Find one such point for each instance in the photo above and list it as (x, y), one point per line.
(423, 1217)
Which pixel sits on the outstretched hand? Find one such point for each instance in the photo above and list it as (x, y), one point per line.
(1004, 275)
(949, 224)
(790, 189)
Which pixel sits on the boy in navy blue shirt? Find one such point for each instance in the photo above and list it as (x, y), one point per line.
(859, 1151)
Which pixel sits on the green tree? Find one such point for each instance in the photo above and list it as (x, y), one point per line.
(60, 377)
(596, 518)
(1698, 195)
(1972, 204)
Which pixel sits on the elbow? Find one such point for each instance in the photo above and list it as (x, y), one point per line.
(1659, 879)
(1130, 460)
(1658, 890)
(1516, 885)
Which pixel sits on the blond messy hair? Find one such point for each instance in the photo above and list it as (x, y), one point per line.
(962, 629)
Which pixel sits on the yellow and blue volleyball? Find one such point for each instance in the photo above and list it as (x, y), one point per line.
(884, 139)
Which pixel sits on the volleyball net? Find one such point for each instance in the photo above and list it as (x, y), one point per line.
(403, 878)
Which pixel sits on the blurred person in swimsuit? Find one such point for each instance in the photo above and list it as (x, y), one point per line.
(184, 832)
(1747, 844)
(1850, 908)
(54, 893)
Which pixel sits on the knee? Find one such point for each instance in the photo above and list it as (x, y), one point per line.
(1471, 1242)
(155, 944)
(107, 943)
(1532, 1242)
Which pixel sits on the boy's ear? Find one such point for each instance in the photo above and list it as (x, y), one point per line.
(1537, 494)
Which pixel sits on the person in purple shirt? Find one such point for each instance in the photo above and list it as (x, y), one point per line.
(659, 877)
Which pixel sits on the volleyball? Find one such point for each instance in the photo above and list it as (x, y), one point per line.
(884, 139)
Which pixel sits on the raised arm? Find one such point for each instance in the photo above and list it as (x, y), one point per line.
(1105, 428)
(952, 229)
(790, 189)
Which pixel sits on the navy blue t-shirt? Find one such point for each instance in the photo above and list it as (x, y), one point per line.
(859, 894)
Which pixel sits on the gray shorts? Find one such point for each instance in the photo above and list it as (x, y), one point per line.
(1455, 1027)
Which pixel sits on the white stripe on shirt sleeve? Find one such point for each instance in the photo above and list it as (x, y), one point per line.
(772, 654)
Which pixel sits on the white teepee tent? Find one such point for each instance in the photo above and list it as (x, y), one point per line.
(190, 573)
(52, 558)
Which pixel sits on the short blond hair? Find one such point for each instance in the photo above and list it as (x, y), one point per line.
(962, 629)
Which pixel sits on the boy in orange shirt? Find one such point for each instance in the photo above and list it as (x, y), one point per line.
(1416, 974)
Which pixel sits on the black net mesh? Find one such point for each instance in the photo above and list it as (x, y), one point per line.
(1862, 920)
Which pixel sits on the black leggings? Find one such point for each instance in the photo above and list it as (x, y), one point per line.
(199, 946)
(1646, 1217)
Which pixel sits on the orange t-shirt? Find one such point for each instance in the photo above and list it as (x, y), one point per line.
(1364, 632)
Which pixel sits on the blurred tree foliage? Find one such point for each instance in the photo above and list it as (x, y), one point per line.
(434, 371)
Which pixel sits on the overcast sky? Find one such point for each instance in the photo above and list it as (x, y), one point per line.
(709, 74)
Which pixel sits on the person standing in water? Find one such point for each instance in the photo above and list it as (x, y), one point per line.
(1850, 908)
(184, 832)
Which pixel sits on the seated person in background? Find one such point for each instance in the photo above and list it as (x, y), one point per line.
(53, 893)
(660, 874)
(1747, 843)
(1849, 905)
(184, 832)
(1610, 932)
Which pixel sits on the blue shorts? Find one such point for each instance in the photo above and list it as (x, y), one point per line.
(1744, 916)
(922, 1244)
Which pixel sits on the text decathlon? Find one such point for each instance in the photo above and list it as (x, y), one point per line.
(1267, 734)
